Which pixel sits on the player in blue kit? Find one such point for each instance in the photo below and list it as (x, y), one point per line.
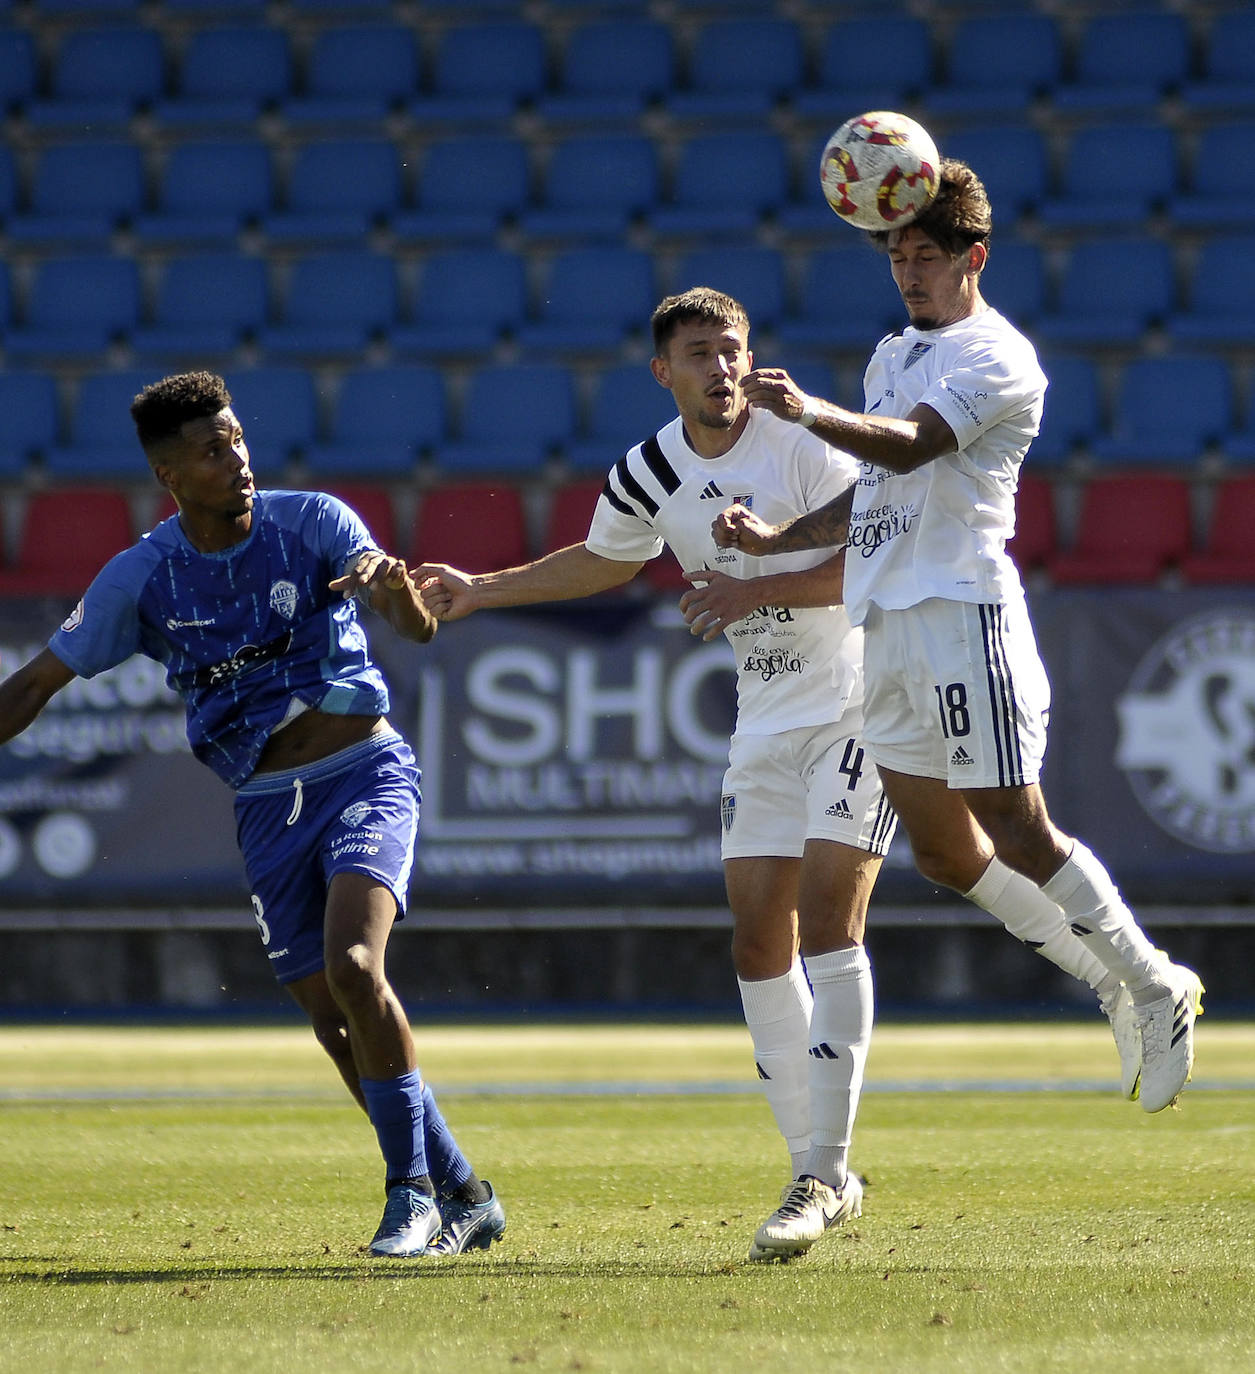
(249, 598)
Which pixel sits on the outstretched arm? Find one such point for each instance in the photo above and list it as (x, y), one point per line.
(822, 528)
(26, 692)
(724, 600)
(391, 592)
(560, 576)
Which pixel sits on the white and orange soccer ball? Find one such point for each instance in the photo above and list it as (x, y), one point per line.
(879, 170)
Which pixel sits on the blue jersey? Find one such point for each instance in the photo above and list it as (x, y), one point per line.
(244, 634)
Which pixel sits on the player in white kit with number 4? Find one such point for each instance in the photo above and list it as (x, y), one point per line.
(805, 824)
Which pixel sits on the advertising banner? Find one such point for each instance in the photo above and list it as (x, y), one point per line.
(573, 755)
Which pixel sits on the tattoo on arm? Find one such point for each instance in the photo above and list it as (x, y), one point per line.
(817, 529)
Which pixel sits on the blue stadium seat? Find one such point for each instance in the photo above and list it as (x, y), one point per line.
(1115, 175)
(95, 9)
(228, 77)
(8, 183)
(278, 410)
(592, 299)
(334, 305)
(468, 299)
(207, 304)
(847, 301)
(1227, 82)
(467, 189)
(76, 307)
(383, 421)
(1014, 280)
(482, 74)
(612, 69)
(514, 418)
(627, 407)
(357, 73)
(101, 77)
(755, 276)
(708, 199)
(1219, 193)
(1073, 411)
(1220, 300)
(1126, 63)
(210, 191)
(997, 64)
(101, 442)
(594, 186)
(739, 68)
(1111, 292)
(1012, 161)
(847, 82)
(82, 192)
(337, 191)
(1169, 410)
(245, 9)
(28, 402)
(19, 69)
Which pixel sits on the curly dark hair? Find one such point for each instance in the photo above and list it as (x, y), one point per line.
(161, 410)
(702, 303)
(958, 216)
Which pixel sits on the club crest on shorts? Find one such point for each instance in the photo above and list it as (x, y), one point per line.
(283, 598)
(1187, 732)
(727, 810)
(354, 815)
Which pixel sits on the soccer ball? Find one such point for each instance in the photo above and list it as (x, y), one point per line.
(879, 170)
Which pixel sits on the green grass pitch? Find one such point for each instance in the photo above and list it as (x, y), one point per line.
(198, 1200)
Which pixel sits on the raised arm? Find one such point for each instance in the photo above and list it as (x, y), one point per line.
(721, 600)
(900, 445)
(391, 592)
(560, 576)
(26, 692)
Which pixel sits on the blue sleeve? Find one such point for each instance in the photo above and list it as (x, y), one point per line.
(342, 532)
(103, 630)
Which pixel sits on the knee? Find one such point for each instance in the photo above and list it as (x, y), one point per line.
(959, 871)
(759, 954)
(332, 1034)
(352, 975)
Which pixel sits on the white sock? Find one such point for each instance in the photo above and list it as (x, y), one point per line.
(778, 1014)
(841, 1029)
(1031, 916)
(1098, 916)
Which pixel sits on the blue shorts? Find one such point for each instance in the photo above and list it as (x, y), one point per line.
(355, 811)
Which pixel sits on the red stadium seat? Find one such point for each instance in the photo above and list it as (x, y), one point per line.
(1036, 532)
(67, 536)
(1131, 529)
(475, 526)
(570, 513)
(1228, 554)
(374, 504)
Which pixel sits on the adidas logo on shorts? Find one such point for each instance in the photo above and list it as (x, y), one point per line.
(841, 810)
(961, 758)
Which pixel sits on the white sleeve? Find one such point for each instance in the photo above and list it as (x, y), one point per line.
(623, 537)
(982, 389)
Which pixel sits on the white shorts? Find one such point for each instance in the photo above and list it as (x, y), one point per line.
(813, 783)
(955, 690)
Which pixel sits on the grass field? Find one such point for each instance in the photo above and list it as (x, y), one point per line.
(198, 1200)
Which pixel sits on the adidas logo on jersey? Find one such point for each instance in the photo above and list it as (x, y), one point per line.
(961, 758)
(710, 492)
(841, 810)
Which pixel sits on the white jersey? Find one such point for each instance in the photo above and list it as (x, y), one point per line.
(941, 531)
(794, 667)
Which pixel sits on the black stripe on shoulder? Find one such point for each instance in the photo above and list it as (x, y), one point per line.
(615, 500)
(633, 490)
(651, 451)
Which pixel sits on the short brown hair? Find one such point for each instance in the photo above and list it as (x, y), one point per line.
(958, 216)
(702, 303)
(162, 409)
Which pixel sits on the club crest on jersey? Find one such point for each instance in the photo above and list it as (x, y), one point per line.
(745, 499)
(727, 810)
(283, 598)
(917, 352)
(354, 815)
